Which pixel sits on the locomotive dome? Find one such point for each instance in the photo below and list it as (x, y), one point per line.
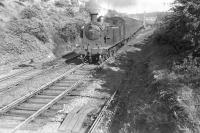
(92, 32)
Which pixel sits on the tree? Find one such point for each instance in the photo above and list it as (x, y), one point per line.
(181, 28)
(187, 16)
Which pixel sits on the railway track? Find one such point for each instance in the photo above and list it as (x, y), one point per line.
(69, 56)
(101, 114)
(44, 98)
(27, 74)
(35, 103)
(15, 74)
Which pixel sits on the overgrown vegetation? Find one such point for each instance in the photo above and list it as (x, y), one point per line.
(181, 31)
(32, 29)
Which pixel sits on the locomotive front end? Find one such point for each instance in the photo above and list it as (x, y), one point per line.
(92, 39)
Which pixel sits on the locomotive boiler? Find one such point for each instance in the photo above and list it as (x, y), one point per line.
(103, 36)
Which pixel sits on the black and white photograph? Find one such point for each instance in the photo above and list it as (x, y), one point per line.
(99, 66)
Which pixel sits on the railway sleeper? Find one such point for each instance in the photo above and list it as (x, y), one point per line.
(35, 107)
(82, 71)
(66, 100)
(67, 81)
(11, 124)
(7, 124)
(43, 97)
(59, 88)
(63, 84)
(30, 106)
(27, 113)
(19, 112)
(51, 92)
(9, 116)
(80, 74)
(39, 100)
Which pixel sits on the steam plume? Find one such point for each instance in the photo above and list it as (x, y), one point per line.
(120, 3)
(103, 6)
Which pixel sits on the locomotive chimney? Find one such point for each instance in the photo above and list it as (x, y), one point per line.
(93, 17)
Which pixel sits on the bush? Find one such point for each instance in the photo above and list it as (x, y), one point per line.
(69, 32)
(69, 12)
(30, 12)
(32, 27)
(190, 67)
(181, 29)
(166, 35)
(1, 4)
(61, 3)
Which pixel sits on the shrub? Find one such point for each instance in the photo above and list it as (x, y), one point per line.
(181, 29)
(1, 4)
(168, 35)
(189, 66)
(32, 27)
(30, 12)
(61, 3)
(69, 32)
(69, 12)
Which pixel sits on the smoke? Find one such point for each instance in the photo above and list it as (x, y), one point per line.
(120, 3)
(103, 6)
(92, 6)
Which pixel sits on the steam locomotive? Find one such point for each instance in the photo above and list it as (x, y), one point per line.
(103, 36)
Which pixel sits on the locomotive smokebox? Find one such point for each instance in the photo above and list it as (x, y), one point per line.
(93, 17)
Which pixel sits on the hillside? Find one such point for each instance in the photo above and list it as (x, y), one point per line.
(38, 29)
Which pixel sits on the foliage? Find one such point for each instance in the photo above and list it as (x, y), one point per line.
(32, 27)
(1, 4)
(181, 29)
(187, 13)
(69, 32)
(188, 66)
(69, 12)
(30, 12)
(61, 3)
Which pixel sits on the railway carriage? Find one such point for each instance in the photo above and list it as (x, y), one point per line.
(102, 37)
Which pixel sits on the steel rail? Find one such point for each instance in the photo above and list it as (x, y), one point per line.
(99, 117)
(27, 70)
(48, 105)
(14, 75)
(5, 89)
(43, 87)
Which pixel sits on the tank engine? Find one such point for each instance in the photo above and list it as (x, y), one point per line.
(102, 38)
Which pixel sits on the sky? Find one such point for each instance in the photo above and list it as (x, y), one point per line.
(136, 6)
